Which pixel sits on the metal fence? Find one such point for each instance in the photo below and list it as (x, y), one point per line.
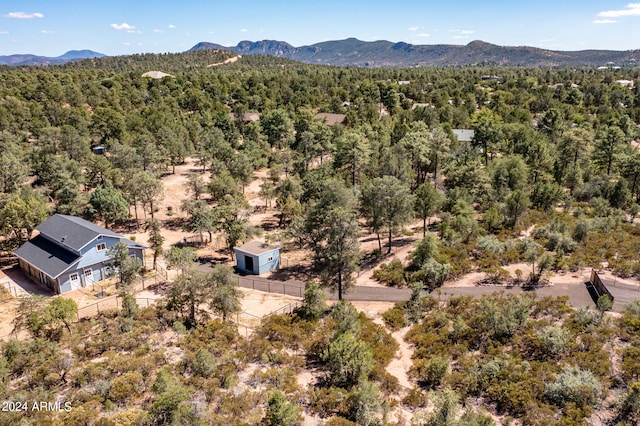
(598, 285)
(288, 288)
(112, 303)
(11, 288)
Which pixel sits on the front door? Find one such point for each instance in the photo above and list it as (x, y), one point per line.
(88, 277)
(74, 279)
(248, 263)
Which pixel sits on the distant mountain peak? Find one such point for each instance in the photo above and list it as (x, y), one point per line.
(381, 53)
(81, 54)
(30, 60)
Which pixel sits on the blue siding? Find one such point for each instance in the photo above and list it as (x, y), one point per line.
(262, 263)
(268, 261)
(93, 260)
(91, 256)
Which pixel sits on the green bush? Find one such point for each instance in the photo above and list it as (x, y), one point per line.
(348, 360)
(576, 386)
(431, 372)
(280, 412)
(329, 401)
(394, 319)
(391, 274)
(127, 387)
(415, 398)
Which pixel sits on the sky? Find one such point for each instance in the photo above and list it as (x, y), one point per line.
(119, 27)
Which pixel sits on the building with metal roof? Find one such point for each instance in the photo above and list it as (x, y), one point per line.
(70, 253)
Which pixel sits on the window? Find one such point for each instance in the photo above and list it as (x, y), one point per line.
(101, 246)
(73, 277)
(270, 259)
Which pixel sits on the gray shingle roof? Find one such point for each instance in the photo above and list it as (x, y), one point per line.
(255, 247)
(72, 231)
(46, 256)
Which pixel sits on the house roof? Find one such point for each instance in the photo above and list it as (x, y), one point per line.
(256, 247)
(47, 256)
(464, 134)
(157, 74)
(245, 116)
(330, 119)
(72, 232)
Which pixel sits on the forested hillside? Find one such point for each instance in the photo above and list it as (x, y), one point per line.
(550, 179)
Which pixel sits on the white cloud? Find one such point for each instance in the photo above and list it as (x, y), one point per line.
(159, 31)
(123, 26)
(126, 43)
(47, 32)
(4, 32)
(172, 27)
(462, 31)
(632, 9)
(604, 21)
(244, 30)
(413, 28)
(424, 35)
(23, 15)
(460, 37)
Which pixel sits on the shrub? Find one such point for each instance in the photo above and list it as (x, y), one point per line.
(127, 387)
(280, 412)
(415, 398)
(364, 403)
(339, 421)
(391, 274)
(394, 319)
(348, 360)
(328, 401)
(203, 363)
(431, 372)
(554, 339)
(131, 417)
(574, 385)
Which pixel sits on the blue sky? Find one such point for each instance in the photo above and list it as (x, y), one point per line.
(118, 27)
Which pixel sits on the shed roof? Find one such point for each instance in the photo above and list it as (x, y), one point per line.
(256, 247)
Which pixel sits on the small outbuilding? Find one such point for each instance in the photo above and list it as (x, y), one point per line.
(256, 257)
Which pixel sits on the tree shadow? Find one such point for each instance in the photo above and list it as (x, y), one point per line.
(296, 272)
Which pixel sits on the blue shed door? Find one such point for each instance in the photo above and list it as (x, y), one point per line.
(248, 263)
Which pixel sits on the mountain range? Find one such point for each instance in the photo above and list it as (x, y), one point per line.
(354, 52)
(27, 59)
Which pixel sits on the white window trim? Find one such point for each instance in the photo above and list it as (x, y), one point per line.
(104, 247)
(77, 278)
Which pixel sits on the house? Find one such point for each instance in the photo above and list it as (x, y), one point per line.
(330, 119)
(245, 117)
(70, 253)
(464, 135)
(256, 257)
(625, 83)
